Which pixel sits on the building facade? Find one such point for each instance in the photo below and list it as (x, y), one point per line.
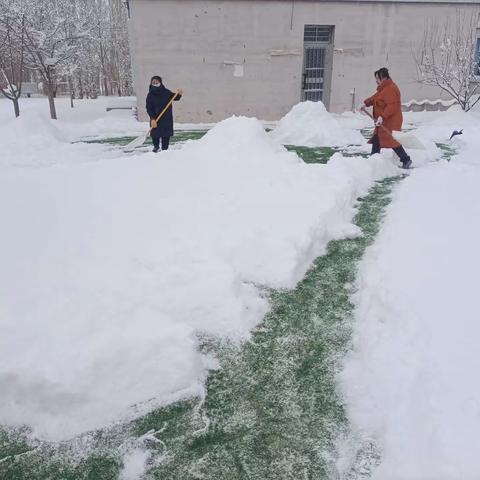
(261, 57)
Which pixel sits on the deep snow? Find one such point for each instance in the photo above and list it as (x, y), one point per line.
(410, 381)
(112, 264)
(309, 124)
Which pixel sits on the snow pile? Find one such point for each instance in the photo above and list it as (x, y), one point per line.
(309, 124)
(111, 268)
(35, 141)
(410, 381)
(88, 118)
(438, 126)
(31, 129)
(113, 124)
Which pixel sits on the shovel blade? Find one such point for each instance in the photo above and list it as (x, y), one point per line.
(409, 140)
(138, 142)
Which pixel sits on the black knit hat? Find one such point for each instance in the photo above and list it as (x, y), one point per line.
(156, 77)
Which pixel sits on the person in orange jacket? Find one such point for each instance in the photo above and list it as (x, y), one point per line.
(387, 111)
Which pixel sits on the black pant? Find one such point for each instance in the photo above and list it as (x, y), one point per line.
(156, 141)
(400, 151)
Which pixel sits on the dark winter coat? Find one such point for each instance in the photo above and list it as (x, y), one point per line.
(387, 104)
(157, 100)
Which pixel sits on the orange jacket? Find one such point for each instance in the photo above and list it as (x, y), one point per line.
(388, 105)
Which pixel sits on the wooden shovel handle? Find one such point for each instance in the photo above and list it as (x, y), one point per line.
(165, 109)
(364, 110)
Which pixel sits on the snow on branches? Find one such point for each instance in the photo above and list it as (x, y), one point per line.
(447, 58)
(81, 45)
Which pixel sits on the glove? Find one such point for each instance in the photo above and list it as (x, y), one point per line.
(361, 106)
(379, 121)
(153, 123)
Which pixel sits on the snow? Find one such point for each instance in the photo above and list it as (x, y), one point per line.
(309, 124)
(426, 101)
(353, 120)
(439, 127)
(10, 91)
(134, 465)
(410, 381)
(113, 265)
(88, 118)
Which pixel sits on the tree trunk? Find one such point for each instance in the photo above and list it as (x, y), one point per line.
(104, 75)
(105, 86)
(72, 93)
(80, 87)
(51, 100)
(51, 94)
(51, 103)
(16, 107)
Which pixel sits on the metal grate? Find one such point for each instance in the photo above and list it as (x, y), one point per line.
(314, 73)
(317, 33)
(314, 95)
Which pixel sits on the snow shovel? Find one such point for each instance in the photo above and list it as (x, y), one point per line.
(139, 141)
(407, 140)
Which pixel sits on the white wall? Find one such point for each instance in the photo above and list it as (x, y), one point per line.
(187, 42)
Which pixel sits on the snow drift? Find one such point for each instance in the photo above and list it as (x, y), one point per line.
(409, 382)
(111, 268)
(309, 124)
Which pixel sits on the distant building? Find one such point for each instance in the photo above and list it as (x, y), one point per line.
(30, 88)
(261, 57)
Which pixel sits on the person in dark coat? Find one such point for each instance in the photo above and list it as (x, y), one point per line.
(157, 99)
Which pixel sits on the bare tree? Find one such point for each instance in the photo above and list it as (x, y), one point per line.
(78, 45)
(447, 58)
(50, 36)
(121, 71)
(12, 47)
(109, 44)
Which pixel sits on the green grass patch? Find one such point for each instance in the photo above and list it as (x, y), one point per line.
(181, 136)
(313, 155)
(273, 410)
(307, 154)
(448, 150)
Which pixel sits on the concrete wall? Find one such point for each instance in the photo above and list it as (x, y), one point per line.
(194, 44)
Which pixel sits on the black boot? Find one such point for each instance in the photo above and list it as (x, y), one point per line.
(155, 149)
(404, 158)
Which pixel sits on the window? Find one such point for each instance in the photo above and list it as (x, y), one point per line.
(317, 33)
